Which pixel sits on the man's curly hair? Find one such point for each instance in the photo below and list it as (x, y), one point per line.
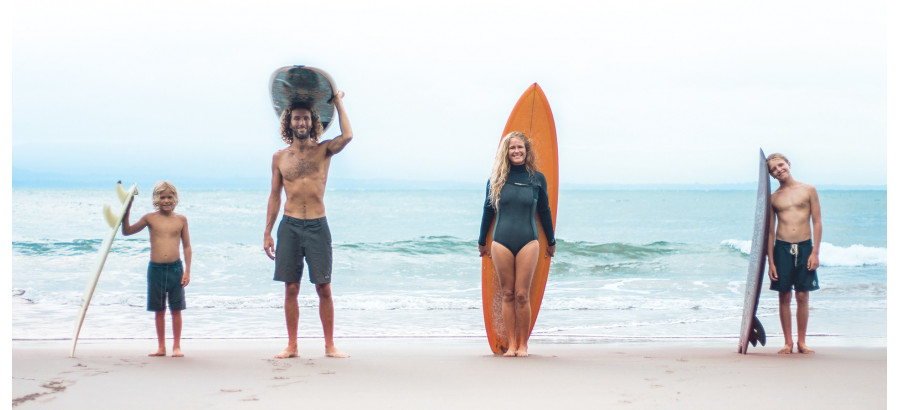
(287, 135)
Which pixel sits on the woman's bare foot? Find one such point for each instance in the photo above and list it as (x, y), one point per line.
(176, 352)
(511, 351)
(159, 352)
(288, 352)
(802, 348)
(787, 349)
(334, 352)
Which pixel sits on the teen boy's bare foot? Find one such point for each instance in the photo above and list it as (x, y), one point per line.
(787, 349)
(334, 352)
(159, 352)
(802, 348)
(288, 352)
(176, 352)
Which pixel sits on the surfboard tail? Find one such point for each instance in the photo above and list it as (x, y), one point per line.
(757, 333)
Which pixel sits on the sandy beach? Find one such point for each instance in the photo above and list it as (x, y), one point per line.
(441, 373)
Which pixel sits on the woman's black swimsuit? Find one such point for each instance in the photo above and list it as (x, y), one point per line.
(520, 197)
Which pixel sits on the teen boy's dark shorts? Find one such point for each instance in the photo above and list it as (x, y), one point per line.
(299, 239)
(790, 265)
(163, 279)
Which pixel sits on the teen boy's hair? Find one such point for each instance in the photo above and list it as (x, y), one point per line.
(776, 155)
(159, 188)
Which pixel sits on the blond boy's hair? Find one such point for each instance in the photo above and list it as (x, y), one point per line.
(161, 187)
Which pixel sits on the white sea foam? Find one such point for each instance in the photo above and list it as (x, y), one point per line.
(831, 255)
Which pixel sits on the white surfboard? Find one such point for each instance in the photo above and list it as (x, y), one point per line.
(114, 219)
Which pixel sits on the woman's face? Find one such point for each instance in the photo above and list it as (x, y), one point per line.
(516, 153)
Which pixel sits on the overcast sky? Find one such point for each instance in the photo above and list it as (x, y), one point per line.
(643, 92)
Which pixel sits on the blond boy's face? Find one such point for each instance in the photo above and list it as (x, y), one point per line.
(167, 201)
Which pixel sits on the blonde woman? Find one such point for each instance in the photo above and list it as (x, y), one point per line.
(515, 192)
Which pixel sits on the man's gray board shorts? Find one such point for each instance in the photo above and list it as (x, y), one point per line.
(300, 239)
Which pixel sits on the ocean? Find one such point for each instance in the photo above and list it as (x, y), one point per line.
(631, 265)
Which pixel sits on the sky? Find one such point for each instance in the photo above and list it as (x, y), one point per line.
(643, 92)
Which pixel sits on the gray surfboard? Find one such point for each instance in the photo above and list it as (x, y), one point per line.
(301, 83)
(751, 328)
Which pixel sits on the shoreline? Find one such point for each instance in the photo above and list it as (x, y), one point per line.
(439, 373)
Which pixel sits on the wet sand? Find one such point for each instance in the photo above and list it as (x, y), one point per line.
(443, 374)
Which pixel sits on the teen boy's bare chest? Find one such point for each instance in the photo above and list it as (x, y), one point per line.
(791, 201)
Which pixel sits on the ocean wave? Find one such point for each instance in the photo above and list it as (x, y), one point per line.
(629, 251)
(73, 247)
(262, 301)
(831, 255)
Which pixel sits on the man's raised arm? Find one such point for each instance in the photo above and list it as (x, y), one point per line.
(339, 142)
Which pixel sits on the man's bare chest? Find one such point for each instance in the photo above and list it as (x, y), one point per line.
(302, 165)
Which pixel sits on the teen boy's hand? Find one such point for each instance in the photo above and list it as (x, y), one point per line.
(185, 279)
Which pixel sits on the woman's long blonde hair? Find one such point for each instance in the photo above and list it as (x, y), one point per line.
(500, 170)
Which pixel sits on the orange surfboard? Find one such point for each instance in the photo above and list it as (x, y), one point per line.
(532, 116)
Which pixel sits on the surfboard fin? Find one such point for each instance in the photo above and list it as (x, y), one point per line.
(757, 333)
(110, 218)
(123, 195)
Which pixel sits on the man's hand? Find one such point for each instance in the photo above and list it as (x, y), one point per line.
(269, 246)
(338, 95)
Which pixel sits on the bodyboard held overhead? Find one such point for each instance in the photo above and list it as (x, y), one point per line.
(532, 116)
(114, 220)
(307, 84)
(751, 328)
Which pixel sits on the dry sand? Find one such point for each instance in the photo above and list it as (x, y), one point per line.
(442, 374)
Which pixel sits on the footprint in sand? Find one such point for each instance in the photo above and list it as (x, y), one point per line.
(54, 386)
(279, 365)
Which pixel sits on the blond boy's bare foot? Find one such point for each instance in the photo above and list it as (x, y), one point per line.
(176, 352)
(802, 348)
(787, 349)
(334, 352)
(159, 352)
(287, 353)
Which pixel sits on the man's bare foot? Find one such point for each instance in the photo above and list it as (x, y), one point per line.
(787, 349)
(159, 352)
(334, 352)
(802, 348)
(176, 352)
(288, 352)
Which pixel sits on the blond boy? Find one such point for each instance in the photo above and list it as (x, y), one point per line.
(166, 276)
